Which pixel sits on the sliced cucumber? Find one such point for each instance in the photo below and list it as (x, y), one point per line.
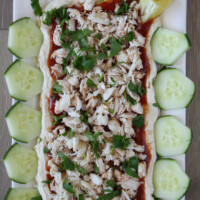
(24, 122)
(171, 136)
(21, 163)
(21, 194)
(173, 90)
(168, 46)
(23, 80)
(170, 181)
(25, 38)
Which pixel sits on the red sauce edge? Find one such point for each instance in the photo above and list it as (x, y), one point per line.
(143, 29)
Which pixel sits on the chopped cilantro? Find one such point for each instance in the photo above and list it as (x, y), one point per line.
(83, 156)
(101, 77)
(59, 13)
(80, 34)
(36, 7)
(103, 46)
(113, 80)
(46, 150)
(110, 195)
(67, 164)
(93, 140)
(85, 63)
(80, 169)
(138, 121)
(47, 181)
(111, 183)
(70, 133)
(39, 139)
(98, 36)
(120, 142)
(131, 100)
(96, 169)
(66, 45)
(80, 197)
(69, 75)
(123, 8)
(117, 63)
(155, 105)
(57, 88)
(130, 36)
(131, 166)
(99, 97)
(101, 56)
(138, 89)
(68, 187)
(90, 83)
(58, 119)
(84, 116)
(115, 47)
(111, 110)
(125, 94)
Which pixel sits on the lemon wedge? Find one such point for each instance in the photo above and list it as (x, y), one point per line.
(153, 8)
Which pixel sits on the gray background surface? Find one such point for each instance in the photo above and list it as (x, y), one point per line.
(193, 112)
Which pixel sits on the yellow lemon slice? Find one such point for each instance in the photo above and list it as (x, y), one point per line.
(153, 8)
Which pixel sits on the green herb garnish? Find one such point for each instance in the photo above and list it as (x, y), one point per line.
(123, 8)
(47, 181)
(68, 187)
(70, 133)
(113, 80)
(46, 150)
(130, 36)
(101, 77)
(98, 36)
(155, 105)
(67, 164)
(120, 142)
(80, 197)
(59, 14)
(85, 63)
(69, 75)
(138, 89)
(90, 83)
(131, 100)
(138, 121)
(111, 110)
(84, 116)
(131, 166)
(57, 88)
(93, 140)
(110, 195)
(36, 7)
(96, 169)
(80, 169)
(58, 119)
(115, 47)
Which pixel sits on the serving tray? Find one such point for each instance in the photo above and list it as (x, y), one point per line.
(173, 18)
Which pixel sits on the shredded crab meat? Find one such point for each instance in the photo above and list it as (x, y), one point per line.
(110, 112)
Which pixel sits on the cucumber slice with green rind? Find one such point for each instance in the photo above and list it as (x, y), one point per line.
(24, 81)
(21, 194)
(168, 46)
(21, 163)
(173, 90)
(170, 181)
(24, 122)
(25, 38)
(171, 136)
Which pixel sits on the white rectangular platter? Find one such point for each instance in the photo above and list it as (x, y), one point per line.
(173, 18)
